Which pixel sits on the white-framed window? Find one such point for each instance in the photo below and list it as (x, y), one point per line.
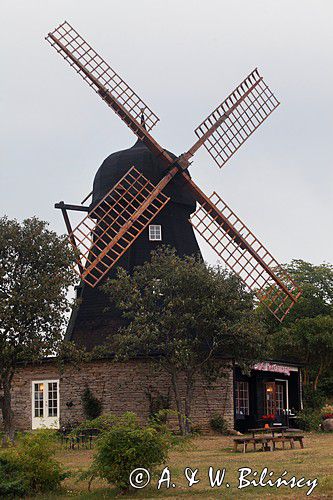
(279, 398)
(53, 399)
(38, 399)
(155, 232)
(45, 404)
(242, 398)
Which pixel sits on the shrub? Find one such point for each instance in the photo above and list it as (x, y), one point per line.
(12, 482)
(92, 407)
(29, 467)
(326, 384)
(102, 423)
(313, 399)
(309, 419)
(218, 424)
(126, 446)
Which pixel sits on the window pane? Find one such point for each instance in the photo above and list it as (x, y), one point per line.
(242, 398)
(279, 398)
(53, 399)
(39, 400)
(269, 398)
(155, 232)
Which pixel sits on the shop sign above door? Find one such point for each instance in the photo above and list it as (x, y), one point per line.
(273, 367)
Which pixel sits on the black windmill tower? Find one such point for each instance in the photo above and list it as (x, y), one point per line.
(94, 319)
(143, 196)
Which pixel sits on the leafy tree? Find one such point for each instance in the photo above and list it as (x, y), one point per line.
(317, 285)
(317, 293)
(307, 332)
(185, 316)
(311, 339)
(35, 272)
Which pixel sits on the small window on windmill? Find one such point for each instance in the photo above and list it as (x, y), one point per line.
(155, 232)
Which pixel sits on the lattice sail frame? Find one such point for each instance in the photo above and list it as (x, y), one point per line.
(102, 74)
(108, 230)
(242, 262)
(241, 113)
(222, 133)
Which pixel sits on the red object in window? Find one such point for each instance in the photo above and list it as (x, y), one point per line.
(270, 416)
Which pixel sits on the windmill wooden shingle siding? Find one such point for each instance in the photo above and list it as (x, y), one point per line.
(91, 323)
(108, 233)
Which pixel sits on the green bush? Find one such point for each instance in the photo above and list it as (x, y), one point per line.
(218, 424)
(126, 446)
(326, 385)
(102, 423)
(12, 482)
(92, 407)
(309, 419)
(29, 467)
(313, 399)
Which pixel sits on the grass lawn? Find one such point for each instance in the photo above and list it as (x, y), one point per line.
(314, 461)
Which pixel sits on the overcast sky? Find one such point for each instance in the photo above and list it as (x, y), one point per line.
(182, 57)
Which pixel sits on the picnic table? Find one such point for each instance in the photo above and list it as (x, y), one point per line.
(268, 440)
(274, 429)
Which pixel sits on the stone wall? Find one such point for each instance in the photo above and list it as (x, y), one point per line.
(121, 387)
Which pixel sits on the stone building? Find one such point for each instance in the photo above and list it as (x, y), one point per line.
(44, 396)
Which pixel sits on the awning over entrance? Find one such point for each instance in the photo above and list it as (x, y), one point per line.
(266, 366)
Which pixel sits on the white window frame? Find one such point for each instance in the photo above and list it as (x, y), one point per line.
(155, 232)
(243, 390)
(46, 421)
(286, 381)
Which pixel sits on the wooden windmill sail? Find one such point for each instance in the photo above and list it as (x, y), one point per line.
(113, 224)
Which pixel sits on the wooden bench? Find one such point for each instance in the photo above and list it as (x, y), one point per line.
(268, 442)
(265, 443)
(288, 439)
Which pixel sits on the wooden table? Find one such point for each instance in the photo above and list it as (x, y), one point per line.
(282, 429)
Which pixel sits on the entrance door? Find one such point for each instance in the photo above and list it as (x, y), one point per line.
(45, 404)
(275, 397)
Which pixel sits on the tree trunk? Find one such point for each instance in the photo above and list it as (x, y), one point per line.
(315, 383)
(179, 403)
(6, 408)
(188, 401)
(305, 376)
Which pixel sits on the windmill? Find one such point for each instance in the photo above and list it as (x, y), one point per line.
(112, 225)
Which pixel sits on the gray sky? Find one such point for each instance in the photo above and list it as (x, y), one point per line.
(182, 57)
